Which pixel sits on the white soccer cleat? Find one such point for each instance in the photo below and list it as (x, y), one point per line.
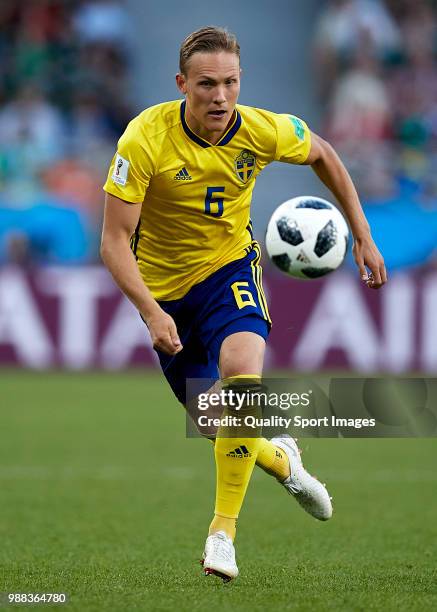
(219, 557)
(307, 490)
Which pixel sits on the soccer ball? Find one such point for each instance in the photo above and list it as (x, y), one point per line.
(307, 237)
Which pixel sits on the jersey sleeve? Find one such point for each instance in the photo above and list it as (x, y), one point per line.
(131, 168)
(293, 139)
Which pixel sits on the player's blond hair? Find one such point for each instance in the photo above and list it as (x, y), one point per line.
(210, 39)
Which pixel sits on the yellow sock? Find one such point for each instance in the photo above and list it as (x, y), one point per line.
(235, 459)
(273, 460)
(223, 523)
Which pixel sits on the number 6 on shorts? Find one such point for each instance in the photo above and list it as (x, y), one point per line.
(243, 297)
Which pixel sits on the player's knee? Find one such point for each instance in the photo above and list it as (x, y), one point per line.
(242, 353)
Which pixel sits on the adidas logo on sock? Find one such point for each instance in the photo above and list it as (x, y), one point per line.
(239, 452)
(182, 175)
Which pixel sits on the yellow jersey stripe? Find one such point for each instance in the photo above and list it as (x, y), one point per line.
(258, 281)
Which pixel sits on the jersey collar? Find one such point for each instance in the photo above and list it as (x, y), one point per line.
(227, 136)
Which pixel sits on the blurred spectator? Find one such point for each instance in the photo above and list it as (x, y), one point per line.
(383, 100)
(32, 133)
(379, 74)
(104, 31)
(413, 89)
(359, 121)
(341, 27)
(100, 72)
(360, 105)
(414, 84)
(63, 105)
(90, 129)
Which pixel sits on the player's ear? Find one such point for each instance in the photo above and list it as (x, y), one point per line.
(181, 83)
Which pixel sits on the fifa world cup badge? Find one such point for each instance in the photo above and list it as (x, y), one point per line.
(121, 168)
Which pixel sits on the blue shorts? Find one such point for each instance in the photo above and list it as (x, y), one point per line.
(230, 300)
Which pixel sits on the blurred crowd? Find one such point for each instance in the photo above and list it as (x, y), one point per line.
(63, 104)
(377, 79)
(376, 72)
(64, 83)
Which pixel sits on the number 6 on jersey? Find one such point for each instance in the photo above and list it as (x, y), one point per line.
(210, 198)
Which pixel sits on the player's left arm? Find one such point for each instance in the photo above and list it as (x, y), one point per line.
(331, 171)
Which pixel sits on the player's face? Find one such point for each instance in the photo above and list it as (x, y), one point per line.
(211, 87)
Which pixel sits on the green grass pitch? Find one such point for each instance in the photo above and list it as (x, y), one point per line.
(103, 498)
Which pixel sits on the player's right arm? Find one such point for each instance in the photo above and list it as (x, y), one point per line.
(297, 145)
(120, 220)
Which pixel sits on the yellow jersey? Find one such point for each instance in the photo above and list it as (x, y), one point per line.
(195, 214)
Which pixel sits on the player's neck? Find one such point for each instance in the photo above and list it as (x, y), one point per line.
(213, 137)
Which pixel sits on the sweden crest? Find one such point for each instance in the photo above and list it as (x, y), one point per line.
(245, 165)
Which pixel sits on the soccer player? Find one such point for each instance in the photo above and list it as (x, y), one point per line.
(177, 238)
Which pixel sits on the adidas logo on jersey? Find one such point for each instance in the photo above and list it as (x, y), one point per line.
(182, 175)
(239, 452)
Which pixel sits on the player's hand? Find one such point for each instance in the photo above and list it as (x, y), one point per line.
(163, 332)
(367, 257)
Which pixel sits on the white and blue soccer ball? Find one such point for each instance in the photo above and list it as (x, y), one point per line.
(307, 237)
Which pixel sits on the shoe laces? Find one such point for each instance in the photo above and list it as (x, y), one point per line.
(222, 547)
(293, 487)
